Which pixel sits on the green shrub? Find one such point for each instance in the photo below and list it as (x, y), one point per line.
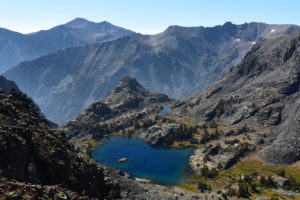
(202, 186)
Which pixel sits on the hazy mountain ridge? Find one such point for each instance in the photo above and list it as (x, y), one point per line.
(17, 47)
(177, 62)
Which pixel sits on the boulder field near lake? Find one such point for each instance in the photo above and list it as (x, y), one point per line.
(177, 62)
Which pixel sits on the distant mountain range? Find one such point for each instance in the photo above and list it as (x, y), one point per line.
(177, 62)
(16, 47)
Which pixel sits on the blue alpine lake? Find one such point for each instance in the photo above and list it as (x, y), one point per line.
(167, 166)
(165, 111)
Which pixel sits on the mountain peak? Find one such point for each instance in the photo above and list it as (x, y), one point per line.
(128, 84)
(130, 94)
(78, 22)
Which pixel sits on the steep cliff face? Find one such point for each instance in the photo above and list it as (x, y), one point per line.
(177, 62)
(16, 47)
(262, 92)
(33, 153)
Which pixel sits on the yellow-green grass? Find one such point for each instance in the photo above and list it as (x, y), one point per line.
(250, 166)
(292, 171)
(190, 187)
(183, 144)
(115, 133)
(270, 194)
(137, 131)
(188, 123)
(93, 143)
(247, 167)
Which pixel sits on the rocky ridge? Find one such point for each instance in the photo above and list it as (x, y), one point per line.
(260, 94)
(7, 85)
(117, 111)
(17, 47)
(176, 62)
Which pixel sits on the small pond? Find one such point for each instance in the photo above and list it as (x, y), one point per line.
(165, 111)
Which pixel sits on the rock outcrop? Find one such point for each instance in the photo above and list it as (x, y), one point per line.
(31, 152)
(7, 85)
(219, 156)
(261, 93)
(125, 104)
(162, 134)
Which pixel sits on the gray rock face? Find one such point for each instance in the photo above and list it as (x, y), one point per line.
(176, 62)
(156, 134)
(7, 85)
(219, 156)
(262, 92)
(16, 47)
(281, 181)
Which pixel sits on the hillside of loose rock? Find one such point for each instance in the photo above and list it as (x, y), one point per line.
(261, 95)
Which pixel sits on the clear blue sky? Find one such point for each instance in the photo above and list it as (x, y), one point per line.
(145, 16)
